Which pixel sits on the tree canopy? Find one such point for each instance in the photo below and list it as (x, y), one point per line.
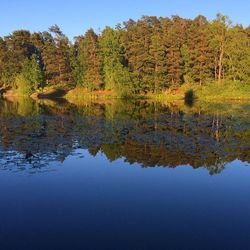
(148, 55)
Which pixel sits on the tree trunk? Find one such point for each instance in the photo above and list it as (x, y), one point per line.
(215, 69)
(220, 63)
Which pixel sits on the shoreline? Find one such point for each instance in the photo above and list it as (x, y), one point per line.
(78, 95)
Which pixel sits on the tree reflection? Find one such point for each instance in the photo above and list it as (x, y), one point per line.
(151, 134)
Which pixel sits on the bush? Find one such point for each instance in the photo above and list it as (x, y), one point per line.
(189, 97)
(30, 78)
(23, 85)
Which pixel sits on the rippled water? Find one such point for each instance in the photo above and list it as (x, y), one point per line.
(124, 175)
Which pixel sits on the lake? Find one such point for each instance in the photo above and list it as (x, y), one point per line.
(124, 175)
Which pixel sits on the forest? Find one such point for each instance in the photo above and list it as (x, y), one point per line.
(150, 55)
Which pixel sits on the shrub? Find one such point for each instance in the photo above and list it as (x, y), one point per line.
(23, 85)
(189, 97)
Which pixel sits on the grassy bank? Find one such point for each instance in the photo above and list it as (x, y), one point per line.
(82, 95)
(213, 92)
(220, 91)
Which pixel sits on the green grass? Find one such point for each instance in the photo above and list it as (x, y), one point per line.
(163, 97)
(211, 92)
(220, 91)
(79, 95)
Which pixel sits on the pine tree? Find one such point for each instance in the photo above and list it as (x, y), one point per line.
(199, 50)
(174, 59)
(137, 42)
(3, 61)
(116, 75)
(20, 48)
(158, 58)
(89, 61)
(62, 53)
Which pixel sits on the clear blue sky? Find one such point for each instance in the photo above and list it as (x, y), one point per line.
(75, 16)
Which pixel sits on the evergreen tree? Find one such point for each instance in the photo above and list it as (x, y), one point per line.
(20, 48)
(55, 51)
(62, 53)
(137, 42)
(31, 76)
(89, 61)
(158, 53)
(116, 75)
(3, 61)
(200, 54)
(187, 64)
(174, 58)
(237, 55)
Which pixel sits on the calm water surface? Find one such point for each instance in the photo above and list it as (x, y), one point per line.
(124, 175)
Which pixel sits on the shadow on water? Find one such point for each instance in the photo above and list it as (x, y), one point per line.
(57, 93)
(33, 134)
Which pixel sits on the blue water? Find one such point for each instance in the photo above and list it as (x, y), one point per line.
(92, 202)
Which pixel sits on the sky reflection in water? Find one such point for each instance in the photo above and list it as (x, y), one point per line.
(124, 176)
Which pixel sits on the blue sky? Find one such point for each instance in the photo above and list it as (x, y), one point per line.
(75, 16)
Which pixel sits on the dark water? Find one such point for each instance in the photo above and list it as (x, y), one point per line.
(124, 175)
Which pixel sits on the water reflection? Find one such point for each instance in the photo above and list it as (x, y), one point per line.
(32, 134)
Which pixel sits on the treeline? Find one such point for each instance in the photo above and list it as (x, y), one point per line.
(149, 55)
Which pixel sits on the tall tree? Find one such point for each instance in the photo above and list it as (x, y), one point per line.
(3, 61)
(174, 39)
(56, 56)
(158, 54)
(219, 39)
(200, 54)
(19, 49)
(31, 76)
(116, 75)
(237, 54)
(137, 42)
(89, 61)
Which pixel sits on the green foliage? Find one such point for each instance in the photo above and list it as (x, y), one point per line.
(88, 62)
(230, 90)
(199, 51)
(218, 40)
(187, 68)
(237, 59)
(116, 75)
(23, 85)
(30, 78)
(152, 56)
